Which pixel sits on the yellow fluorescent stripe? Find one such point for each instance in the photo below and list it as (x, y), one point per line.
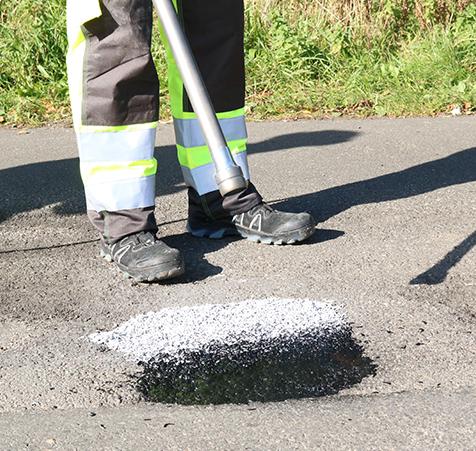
(97, 172)
(116, 128)
(200, 156)
(230, 114)
(223, 115)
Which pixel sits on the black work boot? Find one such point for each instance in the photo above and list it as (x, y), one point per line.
(261, 224)
(144, 258)
(264, 224)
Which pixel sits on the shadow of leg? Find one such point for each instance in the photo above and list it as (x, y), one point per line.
(438, 273)
(455, 169)
(194, 251)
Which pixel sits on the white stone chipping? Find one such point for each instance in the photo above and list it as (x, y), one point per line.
(173, 330)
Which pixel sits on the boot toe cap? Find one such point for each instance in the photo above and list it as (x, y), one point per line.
(297, 222)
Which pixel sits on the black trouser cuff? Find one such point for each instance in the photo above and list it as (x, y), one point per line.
(213, 206)
(115, 225)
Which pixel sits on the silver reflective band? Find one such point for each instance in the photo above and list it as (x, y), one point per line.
(202, 178)
(121, 194)
(124, 145)
(188, 132)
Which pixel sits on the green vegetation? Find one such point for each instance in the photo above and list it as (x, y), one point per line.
(304, 58)
(361, 57)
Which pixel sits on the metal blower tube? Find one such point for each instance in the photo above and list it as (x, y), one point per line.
(228, 175)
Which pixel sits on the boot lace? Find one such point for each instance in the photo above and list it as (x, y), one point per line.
(264, 207)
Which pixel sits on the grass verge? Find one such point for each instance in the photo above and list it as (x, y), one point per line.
(305, 58)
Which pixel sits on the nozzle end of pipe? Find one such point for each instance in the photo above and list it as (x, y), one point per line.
(231, 180)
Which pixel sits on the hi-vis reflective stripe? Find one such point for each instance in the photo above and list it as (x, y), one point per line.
(200, 156)
(122, 145)
(120, 194)
(117, 164)
(118, 128)
(202, 178)
(111, 180)
(188, 132)
(103, 173)
(221, 115)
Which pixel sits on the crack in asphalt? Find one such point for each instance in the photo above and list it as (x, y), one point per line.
(47, 248)
(80, 243)
(76, 243)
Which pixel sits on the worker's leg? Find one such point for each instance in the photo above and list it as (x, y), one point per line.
(114, 95)
(215, 32)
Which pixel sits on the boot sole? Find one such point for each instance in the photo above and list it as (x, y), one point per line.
(165, 271)
(292, 237)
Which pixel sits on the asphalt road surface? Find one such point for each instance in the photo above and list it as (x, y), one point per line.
(394, 247)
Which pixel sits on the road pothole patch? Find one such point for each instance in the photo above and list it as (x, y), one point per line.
(257, 350)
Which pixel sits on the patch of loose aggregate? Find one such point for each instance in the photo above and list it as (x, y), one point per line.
(257, 350)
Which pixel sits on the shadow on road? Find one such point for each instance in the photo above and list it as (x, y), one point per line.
(438, 273)
(58, 183)
(302, 139)
(454, 169)
(194, 251)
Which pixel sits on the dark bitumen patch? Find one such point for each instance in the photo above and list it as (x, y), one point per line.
(273, 370)
(256, 350)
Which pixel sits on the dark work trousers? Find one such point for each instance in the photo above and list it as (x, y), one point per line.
(114, 95)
